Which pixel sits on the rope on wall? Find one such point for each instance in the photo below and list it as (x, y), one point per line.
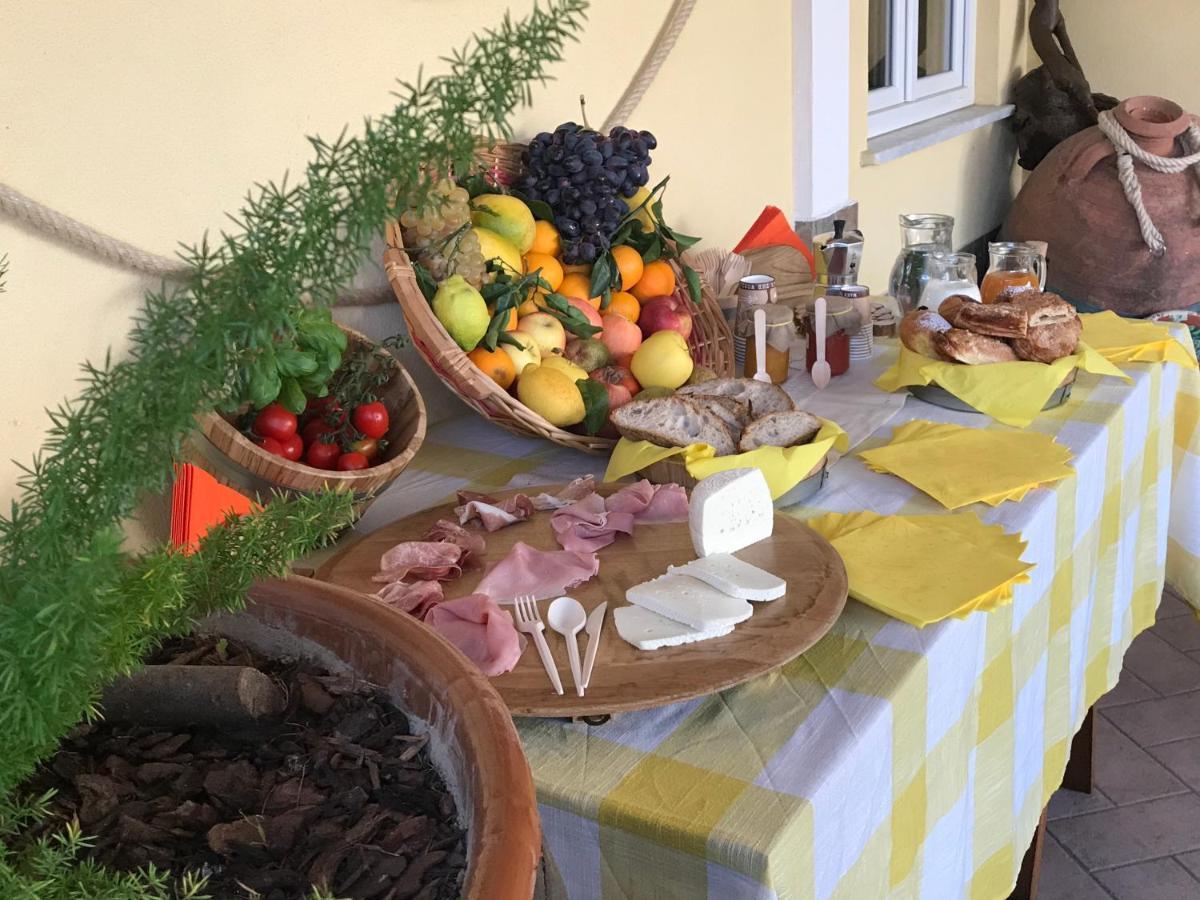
(69, 231)
(1129, 150)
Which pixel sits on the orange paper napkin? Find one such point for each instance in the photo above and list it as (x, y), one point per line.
(772, 229)
(199, 502)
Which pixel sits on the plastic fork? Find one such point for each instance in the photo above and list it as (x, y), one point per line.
(529, 621)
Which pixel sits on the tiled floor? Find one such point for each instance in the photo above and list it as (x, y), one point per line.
(1137, 835)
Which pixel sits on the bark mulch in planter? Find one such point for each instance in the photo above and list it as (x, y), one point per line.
(337, 793)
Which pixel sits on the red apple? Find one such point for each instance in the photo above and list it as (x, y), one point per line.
(618, 375)
(666, 313)
(618, 396)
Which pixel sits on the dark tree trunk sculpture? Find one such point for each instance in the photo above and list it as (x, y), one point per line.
(1054, 101)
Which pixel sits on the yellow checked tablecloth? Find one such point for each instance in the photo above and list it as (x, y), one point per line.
(887, 761)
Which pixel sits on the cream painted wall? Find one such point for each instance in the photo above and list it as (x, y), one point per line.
(152, 120)
(970, 177)
(1138, 48)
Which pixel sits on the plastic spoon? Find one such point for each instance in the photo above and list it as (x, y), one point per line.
(566, 616)
(821, 372)
(760, 345)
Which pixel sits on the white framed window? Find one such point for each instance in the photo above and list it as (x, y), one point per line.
(921, 58)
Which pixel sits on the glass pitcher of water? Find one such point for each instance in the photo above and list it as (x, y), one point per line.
(950, 274)
(922, 235)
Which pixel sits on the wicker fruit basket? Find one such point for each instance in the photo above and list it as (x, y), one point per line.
(237, 461)
(711, 343)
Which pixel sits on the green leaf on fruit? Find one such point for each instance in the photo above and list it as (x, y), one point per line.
(425, 281)
(595, 404)
(476, 184)
(492, 336)
(507, 338)
(604, 273)
(683, 241)
(571, 318)
(654, 248)
(540, 208)
(693, 283)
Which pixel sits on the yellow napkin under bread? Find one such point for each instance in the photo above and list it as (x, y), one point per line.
(1134, 340)
(958, 466)
(1010, 392)
(784, 467)
(922, 569)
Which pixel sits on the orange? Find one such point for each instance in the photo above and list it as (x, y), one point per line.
(658, 278)
(545, 239)
(578, 285)
(629, 264)
(552, 272)
(495, 364)
(624, 305)
(532, 304)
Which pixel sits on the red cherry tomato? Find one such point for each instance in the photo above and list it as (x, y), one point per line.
(348, 462)
(313, 430)
(274, 421)
(371, 419)
(325, 408)
(293, 448)
(368, 447)
(270, 445)
(322, 456)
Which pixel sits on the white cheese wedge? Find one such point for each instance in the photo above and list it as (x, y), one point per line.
(650, 631)
(734, 577)
(689, 601)
(730, 510)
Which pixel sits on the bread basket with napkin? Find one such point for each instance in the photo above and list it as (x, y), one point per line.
(726, 423)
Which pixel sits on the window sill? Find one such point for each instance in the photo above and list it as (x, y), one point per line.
(903, 141)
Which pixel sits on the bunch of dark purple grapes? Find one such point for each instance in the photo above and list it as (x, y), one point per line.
(583, 176)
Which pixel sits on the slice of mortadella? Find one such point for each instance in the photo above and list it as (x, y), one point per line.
(420, 560)
(483, 631)
(540, 573)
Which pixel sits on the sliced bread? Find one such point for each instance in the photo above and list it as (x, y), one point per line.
(673, 422)
(762, 397)
(781, 429)
(733, 413)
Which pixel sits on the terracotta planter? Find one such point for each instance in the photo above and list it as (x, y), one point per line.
(472, 738)
(1074, 202)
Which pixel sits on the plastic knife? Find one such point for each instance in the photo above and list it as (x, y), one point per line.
(595, 621)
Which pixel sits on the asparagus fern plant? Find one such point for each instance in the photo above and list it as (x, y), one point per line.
(75, 608)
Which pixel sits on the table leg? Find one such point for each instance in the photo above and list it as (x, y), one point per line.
(1078, 776)
(1031, 865)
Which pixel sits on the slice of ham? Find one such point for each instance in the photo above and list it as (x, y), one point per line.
(493, 514)
(587, 525)
(651, 503)
(420, 561)
(480, 629)
(576, 490)
(416, 599)
(541, 573)
(470, 542)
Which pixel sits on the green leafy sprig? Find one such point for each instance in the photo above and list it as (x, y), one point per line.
(75, 609)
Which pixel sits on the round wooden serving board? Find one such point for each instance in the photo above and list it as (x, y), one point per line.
(625, 678)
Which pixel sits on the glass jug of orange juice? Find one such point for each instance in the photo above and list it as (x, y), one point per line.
(1013, 266)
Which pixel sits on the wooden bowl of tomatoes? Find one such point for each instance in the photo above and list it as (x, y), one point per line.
(359, 437)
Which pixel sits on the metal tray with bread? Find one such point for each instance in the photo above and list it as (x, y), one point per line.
(624, 676)
(1030, 326)
(732, 415)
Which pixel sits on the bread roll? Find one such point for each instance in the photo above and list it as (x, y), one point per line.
(1044, 308)
(963, 346)
(917, 330)
(1047, 343)
(951, 305)
(1002, 320)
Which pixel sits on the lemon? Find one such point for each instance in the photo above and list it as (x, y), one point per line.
(494, 246)
(662, 360)
(551, 394)
(507, 216)
(643, 215)
(568, 368)
(462, 311)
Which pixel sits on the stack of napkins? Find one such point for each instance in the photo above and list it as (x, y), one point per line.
(958, 466)
(1134, 340)
(200, 502)
(922, 569)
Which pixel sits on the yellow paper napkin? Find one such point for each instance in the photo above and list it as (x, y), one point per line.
(784, 467)
(922, 569)
(958, 466)
(1134, 340)
(1010, 392)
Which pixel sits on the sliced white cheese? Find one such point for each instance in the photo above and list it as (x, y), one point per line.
(730, 510)
(689, 601)
(650, 631)
(734, 577)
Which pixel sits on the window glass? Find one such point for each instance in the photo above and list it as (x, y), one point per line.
(879, 43)
(935, 30)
